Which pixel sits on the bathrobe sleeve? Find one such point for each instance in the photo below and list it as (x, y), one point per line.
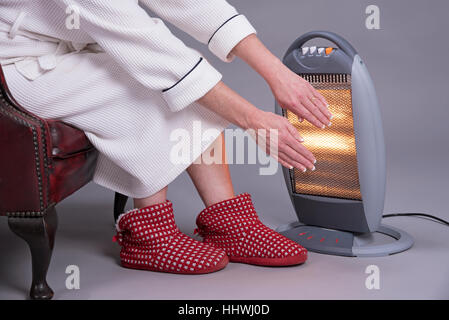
(145, 48)
(212, 22)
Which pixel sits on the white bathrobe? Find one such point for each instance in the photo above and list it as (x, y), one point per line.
(122, 77)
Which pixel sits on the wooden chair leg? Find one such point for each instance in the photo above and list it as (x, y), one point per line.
(39, 233)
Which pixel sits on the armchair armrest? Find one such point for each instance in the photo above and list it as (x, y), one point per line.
(42, 161)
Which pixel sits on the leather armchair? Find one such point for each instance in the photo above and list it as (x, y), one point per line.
(42, 162)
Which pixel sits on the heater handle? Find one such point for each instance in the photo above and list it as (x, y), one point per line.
(342, 43)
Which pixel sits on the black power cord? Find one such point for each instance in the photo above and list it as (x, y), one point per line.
(416, 214)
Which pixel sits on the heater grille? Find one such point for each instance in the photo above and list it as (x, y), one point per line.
(334, 147)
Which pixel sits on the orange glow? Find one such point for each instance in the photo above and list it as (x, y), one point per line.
(334, 147)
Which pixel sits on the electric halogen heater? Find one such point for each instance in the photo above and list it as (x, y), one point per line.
(340, 204)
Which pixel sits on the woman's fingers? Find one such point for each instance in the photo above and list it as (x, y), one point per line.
(319, 100)
(285, 159)
(316, 112)
(314, 92)
(320, 97)
(293, 132)
(322, 107)
(316, 105)
(307, 115)
(303, 111)
(299, 153)
(296, 158)
(297, 95)
(287, 149)
(284, 163)
(296, 151)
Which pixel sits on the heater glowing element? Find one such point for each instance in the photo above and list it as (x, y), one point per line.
(336, 172)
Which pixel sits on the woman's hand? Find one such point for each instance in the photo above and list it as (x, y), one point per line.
(297, 95)
(290, 90)
(289, 151)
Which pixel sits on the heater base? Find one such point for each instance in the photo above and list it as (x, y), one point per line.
(343, 243)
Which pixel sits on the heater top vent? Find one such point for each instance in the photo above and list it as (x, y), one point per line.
(339, 81)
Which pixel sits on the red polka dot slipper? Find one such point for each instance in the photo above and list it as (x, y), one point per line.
(233, 225)
(150, 240)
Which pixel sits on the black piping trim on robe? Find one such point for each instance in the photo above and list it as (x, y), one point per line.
(201, 59)
(213, 34)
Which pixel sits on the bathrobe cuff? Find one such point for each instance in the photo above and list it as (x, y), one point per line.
(192, 86)
(228, 35)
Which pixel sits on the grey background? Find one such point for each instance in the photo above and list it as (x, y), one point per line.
(407, 60)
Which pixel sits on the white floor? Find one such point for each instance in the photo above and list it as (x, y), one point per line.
(86, 228)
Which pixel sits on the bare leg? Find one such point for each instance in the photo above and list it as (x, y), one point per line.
(213, 181)
(156, 198)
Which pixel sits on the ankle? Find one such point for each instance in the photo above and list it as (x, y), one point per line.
(156, 198)
(140, 203)
(216, 198)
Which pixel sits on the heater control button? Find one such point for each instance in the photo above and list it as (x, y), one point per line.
(312, 50)
(305, 50)
(320, 51)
